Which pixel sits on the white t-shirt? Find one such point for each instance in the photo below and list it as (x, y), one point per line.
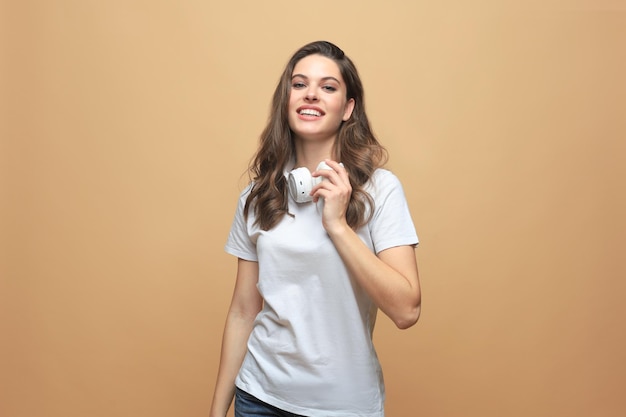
(310, 351)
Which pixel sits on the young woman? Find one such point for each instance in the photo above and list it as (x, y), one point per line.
(312, 274)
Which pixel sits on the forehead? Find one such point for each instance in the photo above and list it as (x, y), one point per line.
(317, 66)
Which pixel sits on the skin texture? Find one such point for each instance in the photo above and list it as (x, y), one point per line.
(389, 278)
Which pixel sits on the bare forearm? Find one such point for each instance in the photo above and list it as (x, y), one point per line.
(396, 290)
(236, 333)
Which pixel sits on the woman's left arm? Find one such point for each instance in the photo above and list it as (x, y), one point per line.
(390, 278)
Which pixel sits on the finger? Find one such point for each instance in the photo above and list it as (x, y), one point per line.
(336, 166)
(339, 169)
(324, 186)
(329, 174)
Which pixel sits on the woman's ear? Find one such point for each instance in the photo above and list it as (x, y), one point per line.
(349, 108)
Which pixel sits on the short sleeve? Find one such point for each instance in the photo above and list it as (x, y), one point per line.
(240, 242)
(391, 224)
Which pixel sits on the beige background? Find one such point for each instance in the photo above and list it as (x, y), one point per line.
(127, 126)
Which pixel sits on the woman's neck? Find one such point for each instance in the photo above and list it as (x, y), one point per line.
(310, 154)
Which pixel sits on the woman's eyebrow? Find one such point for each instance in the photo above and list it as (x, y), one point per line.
(323, 78)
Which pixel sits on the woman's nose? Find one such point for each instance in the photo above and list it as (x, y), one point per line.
(311, 95)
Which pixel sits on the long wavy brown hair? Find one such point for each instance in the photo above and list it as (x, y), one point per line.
(356, 147)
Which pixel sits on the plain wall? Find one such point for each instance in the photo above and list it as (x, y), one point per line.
(127, 127)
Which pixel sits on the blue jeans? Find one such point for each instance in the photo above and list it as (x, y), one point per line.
(247, 405)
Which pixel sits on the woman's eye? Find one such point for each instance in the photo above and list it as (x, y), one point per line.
(298, 85)
(329, 88)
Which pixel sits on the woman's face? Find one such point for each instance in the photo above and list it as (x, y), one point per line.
(317, 100)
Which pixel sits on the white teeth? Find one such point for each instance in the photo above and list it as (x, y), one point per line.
(310, 112)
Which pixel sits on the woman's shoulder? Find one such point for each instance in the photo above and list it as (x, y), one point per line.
(383, 177)
(384, 184)
(243, 194)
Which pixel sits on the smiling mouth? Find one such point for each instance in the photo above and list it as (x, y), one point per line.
(310, 112)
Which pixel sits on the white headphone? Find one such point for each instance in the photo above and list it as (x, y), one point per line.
(301, 182)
